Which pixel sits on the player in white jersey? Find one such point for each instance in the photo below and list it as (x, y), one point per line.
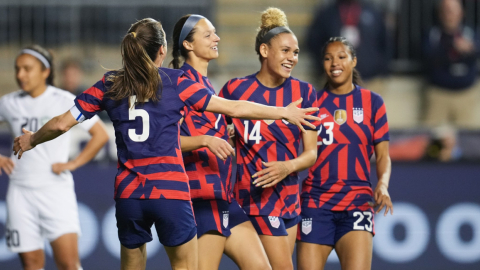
(41, 201)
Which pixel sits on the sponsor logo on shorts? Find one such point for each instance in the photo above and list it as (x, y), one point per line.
(225, 219)
(306, 225)
(274, 222)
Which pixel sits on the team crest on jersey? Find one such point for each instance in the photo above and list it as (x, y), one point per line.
(269, 121)
(225, 219)
(274, 221)
(340, 116)
(306, 225)
(358, 115)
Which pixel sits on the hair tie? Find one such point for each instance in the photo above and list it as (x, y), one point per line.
(37, 55)
(187, 28)
(275, 31)
(134, 34)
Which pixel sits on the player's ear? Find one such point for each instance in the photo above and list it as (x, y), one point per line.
(187, 45)
(263, 50)
(354, 62)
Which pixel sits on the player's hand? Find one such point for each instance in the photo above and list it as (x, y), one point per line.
(58, 168)
(299, 116)
(219, 147)
(382, 199)
(6, 164)
(23, 143)
(231, 135)
(275, 172)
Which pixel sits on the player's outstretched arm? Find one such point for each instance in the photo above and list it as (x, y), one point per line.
(97, 141)
(52, 129)
(276, 171)
(218, 146)
(249, 110)
(384, 169)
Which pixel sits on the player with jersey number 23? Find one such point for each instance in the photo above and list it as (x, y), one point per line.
(337, 198)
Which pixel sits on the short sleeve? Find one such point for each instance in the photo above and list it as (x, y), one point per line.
(380, 125)
(311, 101)
(193, 94)
(89, 102)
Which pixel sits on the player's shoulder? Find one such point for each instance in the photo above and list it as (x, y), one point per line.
(374, 97)
(58, 93)
(13, 95)
(304, 85)
(170, 76)
(239, 83)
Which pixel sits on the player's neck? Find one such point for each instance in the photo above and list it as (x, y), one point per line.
(341, 89)
(199, 64)
(268, 79)
(38, 91)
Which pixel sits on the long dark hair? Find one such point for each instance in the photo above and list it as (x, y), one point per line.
(139, 75)
(356, 78)
(178, 50)
(48, 55)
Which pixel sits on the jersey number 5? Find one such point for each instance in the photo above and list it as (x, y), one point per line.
(328, 131)
(134, 113)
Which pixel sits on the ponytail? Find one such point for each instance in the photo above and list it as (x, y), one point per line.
(139, 75)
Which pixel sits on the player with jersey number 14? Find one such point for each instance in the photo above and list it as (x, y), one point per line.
(337, 199)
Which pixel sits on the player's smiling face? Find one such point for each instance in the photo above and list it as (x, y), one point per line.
(31, 77)
(282, 54)
(205, 40)
(338, 64)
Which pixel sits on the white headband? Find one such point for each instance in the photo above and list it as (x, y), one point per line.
(36, 55)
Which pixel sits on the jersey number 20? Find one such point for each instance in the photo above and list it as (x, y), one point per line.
(134, 113)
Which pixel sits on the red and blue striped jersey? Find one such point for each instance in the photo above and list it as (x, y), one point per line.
(260, 141)
(208, 175)
(352, 124)
(147, 136)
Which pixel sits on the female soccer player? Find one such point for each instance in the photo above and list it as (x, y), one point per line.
(267, 150)
(222, 225)
(41, 201)
(337, 198)
(145, 103)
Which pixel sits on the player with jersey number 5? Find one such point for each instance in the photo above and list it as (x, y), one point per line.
(145, 103)
(268, 159)
(41, 201)
(337, 198)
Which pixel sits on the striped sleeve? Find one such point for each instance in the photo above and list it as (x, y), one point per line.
(193, 94)
(311, 101)
(225, 93)
(89, 102)
(380, 126)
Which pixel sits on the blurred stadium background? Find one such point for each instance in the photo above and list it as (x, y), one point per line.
(436, 224)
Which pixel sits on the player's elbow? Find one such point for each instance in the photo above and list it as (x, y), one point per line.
(312, 157)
